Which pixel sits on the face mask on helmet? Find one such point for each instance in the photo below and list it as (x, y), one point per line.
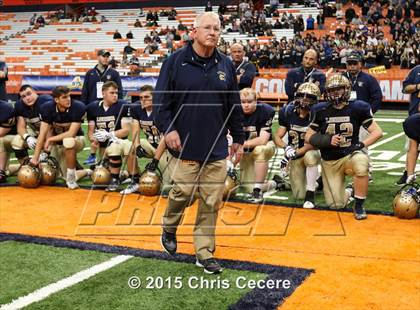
(305, 101)
(337, 95)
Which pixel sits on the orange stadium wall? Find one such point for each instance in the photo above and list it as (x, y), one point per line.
(390, 82)
(48, 2)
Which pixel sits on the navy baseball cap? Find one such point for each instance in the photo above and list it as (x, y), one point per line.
(354, 57)
(104, 53)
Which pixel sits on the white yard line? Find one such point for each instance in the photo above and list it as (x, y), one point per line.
(386, 140)
(389, 120)
(46, 291)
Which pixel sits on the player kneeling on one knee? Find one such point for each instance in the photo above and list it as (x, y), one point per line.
(301, 157)
(335, 131)
(61, 134)
(258, 149)
(109, 127)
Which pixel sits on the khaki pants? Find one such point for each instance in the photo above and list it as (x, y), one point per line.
(297, 172)
(333, 176)
(247, 164)
(209, 179)
(6, 147)
(58, 151)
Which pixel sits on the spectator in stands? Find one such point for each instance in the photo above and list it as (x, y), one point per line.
(320, 20)
(134, 67)
(208, 7)
(181, 26)
(129, 35)
(32, 20)
(310, 23)
(113, 63)
(3, 79)
(155, 38)
(128, 49)
(306, 73)
(103, 19)
(137, 24)
(117, 35)
(222, 9)
(40, 21)
(150, 48)
(245, 70)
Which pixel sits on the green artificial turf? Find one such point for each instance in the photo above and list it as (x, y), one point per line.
(26, 267)
(110, 290)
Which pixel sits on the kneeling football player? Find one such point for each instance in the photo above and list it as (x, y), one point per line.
(258, 147)
(109, 126)
(61, 134)
(335, 131)
(302, 158)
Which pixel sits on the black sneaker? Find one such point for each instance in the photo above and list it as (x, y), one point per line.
(256, 195)
(359, 213)
(113, 186)
(168, 242)
(403, 179)
(309, 200)
(279, 182)
(3, 176)
(210, 265)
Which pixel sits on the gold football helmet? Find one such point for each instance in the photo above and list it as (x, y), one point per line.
(307, 94)
(101, 176)
(149, 184)
(337, 90)
(29, 176)
(406, 202)
(49, 171)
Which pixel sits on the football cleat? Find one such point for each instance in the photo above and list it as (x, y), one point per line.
(130, 189)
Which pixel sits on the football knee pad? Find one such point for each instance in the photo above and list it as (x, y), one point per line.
(69, 143)
(114, 150)
(18, 143)
(263, 152)
(311, 158)
(357, 165)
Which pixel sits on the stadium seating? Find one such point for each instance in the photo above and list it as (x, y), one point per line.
(69, 48)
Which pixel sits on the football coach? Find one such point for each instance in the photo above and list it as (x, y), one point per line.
(197, 101)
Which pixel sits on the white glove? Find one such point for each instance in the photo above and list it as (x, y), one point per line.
(289, 152)
(43, 157)
(102, 135)
(229, 165)
(31, 142)
(411, 179)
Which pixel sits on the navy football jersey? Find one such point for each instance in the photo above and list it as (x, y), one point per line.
(32, 114)
(146, 123)
(254, 123)
(295, 125)
(61, 121)
(345, 122)
(7, 115)
(109, 119)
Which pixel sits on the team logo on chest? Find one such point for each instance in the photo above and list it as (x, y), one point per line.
(108, 76)
(222, 75)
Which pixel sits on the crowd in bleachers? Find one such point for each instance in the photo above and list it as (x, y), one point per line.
(364, 32)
